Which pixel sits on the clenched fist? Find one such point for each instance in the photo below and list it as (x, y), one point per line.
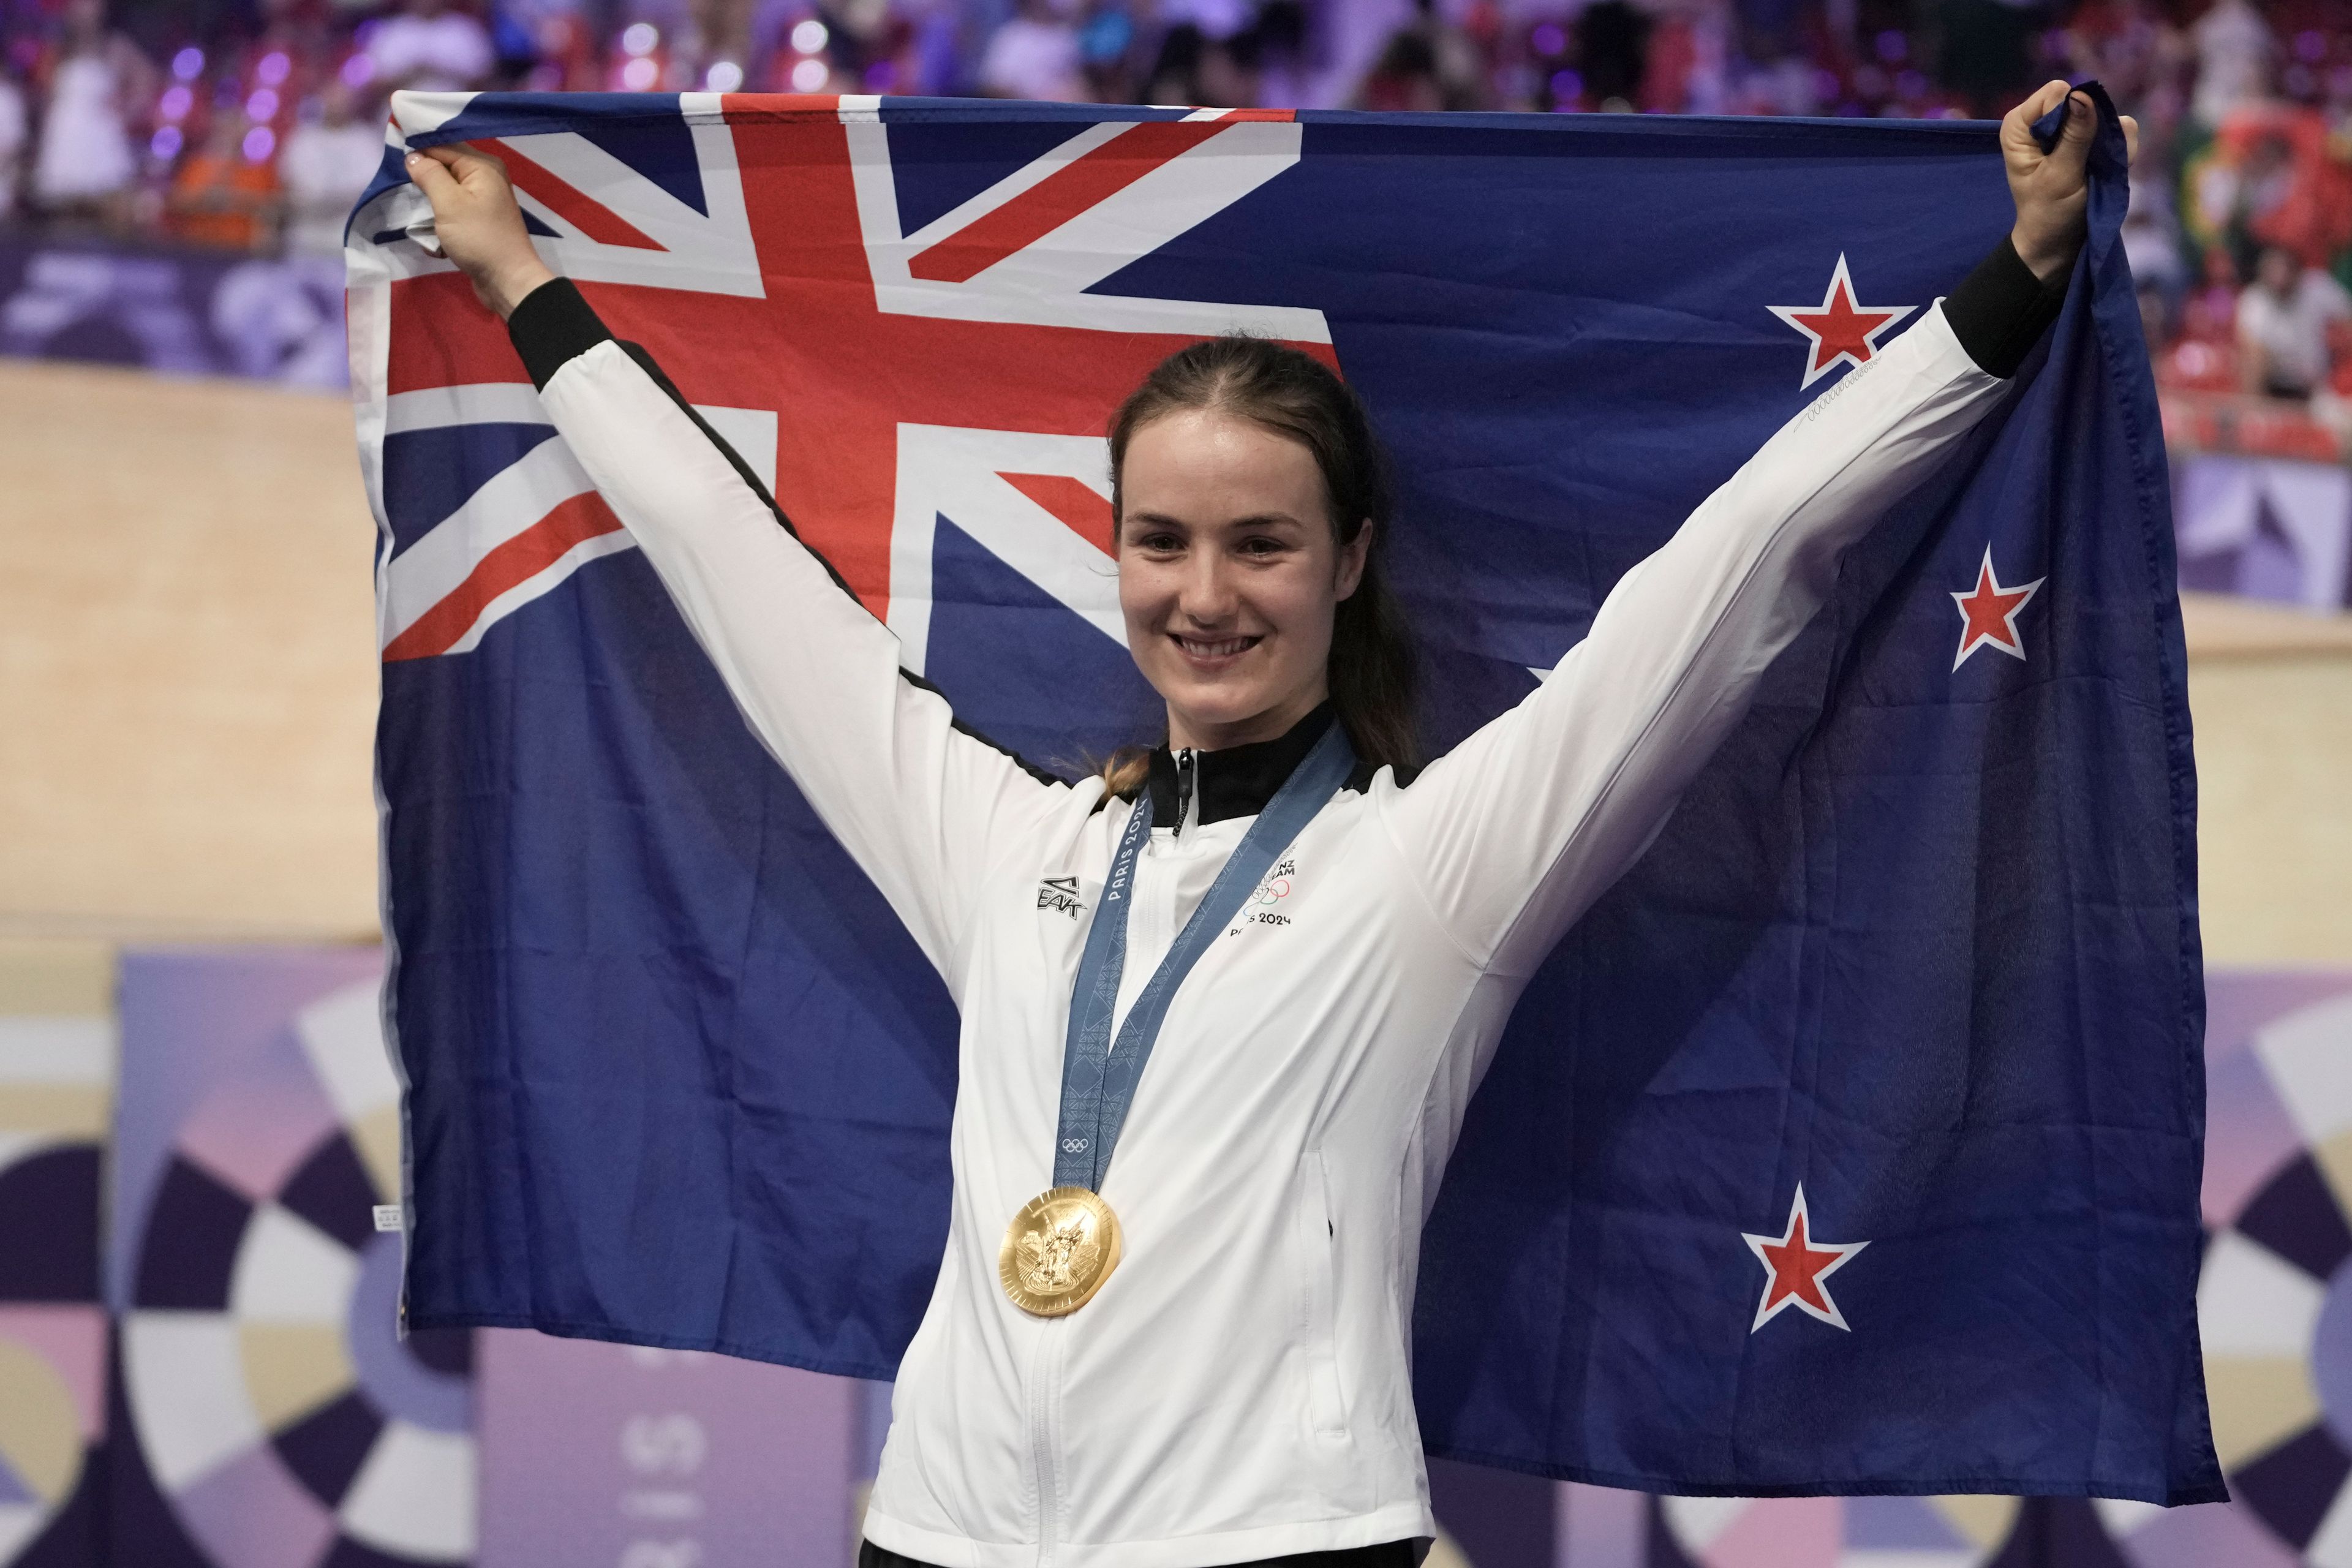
(480, 226)
(2052, 189)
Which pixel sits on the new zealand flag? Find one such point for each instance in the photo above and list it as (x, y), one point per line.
(1850, 1145)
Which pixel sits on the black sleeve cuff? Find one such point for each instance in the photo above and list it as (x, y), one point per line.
(553, 326)
(2000, 309)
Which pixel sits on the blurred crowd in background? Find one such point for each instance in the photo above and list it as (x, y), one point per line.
(251, 125)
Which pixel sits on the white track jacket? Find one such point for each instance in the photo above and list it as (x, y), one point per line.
(1239, 1388)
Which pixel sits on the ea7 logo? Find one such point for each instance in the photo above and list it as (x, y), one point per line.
(1059, 894)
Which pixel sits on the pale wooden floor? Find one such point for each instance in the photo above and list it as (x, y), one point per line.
(187, 683)
(188, 670)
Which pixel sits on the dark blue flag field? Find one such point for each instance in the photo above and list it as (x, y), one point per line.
(1852, 1144)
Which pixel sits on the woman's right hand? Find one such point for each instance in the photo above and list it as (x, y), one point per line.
(479, 224)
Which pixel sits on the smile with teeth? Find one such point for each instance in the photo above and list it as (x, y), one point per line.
(1201, 648)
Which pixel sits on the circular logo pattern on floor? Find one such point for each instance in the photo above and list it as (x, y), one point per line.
(2275, 1302)
(272, 1402)
(54, 1075)
(1839, 1532)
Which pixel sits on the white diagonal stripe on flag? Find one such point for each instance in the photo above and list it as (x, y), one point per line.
(418, 112)
(711, 252)
(1028, 177)
(481, 403)
(959, 474)
(512, 501)
(1140, 218)
(543, 580)
(1044, 284)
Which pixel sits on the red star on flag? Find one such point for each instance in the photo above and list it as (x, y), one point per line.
(1843, 332)
(1794, 1267)
(1988, 614)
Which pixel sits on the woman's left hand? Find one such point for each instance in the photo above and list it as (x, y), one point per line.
(2052, 189)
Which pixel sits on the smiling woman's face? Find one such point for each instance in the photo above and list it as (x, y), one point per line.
(1229, 574)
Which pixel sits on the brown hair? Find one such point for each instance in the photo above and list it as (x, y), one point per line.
(1372, 664)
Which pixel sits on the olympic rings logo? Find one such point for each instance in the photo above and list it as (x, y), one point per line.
(1278, 889)
(1072, 1145)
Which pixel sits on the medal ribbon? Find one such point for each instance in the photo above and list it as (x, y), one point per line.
(1099, 1078)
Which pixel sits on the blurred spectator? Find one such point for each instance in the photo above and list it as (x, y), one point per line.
(2152, 250)
(1770, 83)
(2152, 240)
(2245, 105)
(2283, 325)
(1219, 19)
(1404, 79)
(13, 125)
(1430, 64)
(2128, 45)
(2155, 319)
(432, 45)
(222, 194)
(2202, 355)
(1682, 67)
(1463, 76)
(1035, 54)
(2234, 50)
(84, 165)
(1197, 67)
(2272, 174)
(1987, 52)
(326, 161)
(567, 54)
(1612, 39)
(2210, 313)
(1279, 42)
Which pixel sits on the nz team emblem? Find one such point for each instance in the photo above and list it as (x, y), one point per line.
(1265, 906)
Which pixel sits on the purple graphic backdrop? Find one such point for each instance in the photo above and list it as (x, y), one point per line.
(177, 309)
(2270, 528)
(607, 1454)
(264, 1415)
(54, 1074)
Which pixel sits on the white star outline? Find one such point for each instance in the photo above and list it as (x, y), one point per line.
(1839, 278)
(1767, 1308)
(2014, 645)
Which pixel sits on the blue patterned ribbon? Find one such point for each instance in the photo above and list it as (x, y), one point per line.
(1099, 1078)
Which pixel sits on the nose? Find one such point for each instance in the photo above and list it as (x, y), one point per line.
(1207, 599)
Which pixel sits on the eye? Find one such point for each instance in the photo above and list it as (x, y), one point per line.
(1264, 546)
(1157, 541)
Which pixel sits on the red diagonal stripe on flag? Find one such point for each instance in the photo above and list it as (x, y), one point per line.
(1076, 504)
(585, 214)
(1062, 195)
(511, 565)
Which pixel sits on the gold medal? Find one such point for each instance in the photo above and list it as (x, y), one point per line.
(1057, 1251)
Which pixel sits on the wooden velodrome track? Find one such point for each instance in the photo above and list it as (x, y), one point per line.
(187, 671)
(187, 684)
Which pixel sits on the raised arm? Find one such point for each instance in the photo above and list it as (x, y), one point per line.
(923, 807)
(1517, 831)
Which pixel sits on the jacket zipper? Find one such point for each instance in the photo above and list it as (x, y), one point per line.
(1044, 1382)
(1044, 1437)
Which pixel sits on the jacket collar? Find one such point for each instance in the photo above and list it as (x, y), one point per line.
(1239, 780)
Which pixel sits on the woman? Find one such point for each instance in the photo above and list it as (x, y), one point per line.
(1170, 1327)
(83, 167)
